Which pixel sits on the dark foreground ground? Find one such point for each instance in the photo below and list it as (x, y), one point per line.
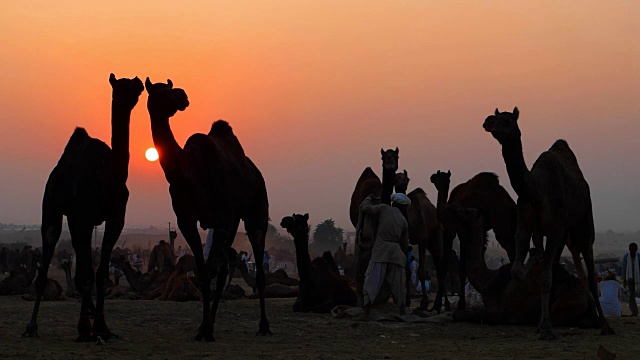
(163, 330)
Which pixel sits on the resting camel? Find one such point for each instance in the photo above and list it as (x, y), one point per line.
(553, 201)
(139, 282)
(321, 286)
(482, 192)
(277, 277)
(88, 185)
(20, 278)
(213, 182)
(509, 301)
(424, 231)
(178, 287)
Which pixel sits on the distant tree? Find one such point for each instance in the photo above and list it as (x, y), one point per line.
(326, 236)
(275, 239)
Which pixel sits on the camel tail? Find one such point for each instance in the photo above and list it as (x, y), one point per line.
(220, 128)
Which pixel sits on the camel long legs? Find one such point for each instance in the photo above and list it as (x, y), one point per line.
(189, 229)
(447, 246)
(555, 244)
(113, 229)
(81, 232)
(50, 231)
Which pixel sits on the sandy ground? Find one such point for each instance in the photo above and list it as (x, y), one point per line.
(164, 330)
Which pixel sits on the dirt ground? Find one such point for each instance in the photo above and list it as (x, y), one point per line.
(164, 330)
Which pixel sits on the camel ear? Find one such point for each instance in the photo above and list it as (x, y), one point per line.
(382, 151)
(405, 173)
(112, 79)
(516, 113)
(397, 151)
(449, 172)
(170, 83)
(148, 85)
(306, 216)
(497, 112)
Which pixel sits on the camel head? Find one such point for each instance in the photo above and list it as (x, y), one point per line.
(296, 224)
(390, 159)
(126, 91)
(503, 126)
(164, 100)
(402, 182)
(441, 180)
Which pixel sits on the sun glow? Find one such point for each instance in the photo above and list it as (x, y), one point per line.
(151, 154)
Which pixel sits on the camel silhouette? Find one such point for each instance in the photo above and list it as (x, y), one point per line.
(499, 212)
(211, 181)
(509, 301)
(321, 287)
(88, 186)
(553, 201)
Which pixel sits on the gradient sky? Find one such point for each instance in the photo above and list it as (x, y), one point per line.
(314, 89)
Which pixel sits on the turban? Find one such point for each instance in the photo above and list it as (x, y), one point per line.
(400, 199)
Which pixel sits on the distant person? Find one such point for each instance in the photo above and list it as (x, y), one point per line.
(244, 256)
(137, 262)
(609, 291)
(265, 261)
(631, 276)
(341, 255)
(388, 255)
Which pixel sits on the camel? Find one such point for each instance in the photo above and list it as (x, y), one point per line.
(13, 260)
(52, 291)
(426, 232)
(139, 282)
(178, 287)
(277, 277)
(161, 257)
(321, 286)
(88, 185)
(553, 201)
(510, 301)
(213, 182)
(482, 192)
(23, 267)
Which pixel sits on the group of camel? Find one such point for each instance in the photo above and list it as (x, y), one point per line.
(212, 182)
(553, 202)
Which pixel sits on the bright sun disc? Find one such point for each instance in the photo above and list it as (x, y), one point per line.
(151, 154)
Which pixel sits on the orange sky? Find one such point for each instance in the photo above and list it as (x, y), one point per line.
(315, 89)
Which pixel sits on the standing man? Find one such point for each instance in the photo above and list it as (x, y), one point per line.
(389, 252)
(265, 261)
(631, 276)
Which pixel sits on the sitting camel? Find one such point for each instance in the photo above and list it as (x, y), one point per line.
(321, 286)
(506, 300)
(277, 277)
(178, 286)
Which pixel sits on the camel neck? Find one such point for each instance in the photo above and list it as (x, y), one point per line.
(477, 271)
(388, 180)
(167, 146)
(120, 121)
(519, 174)
(303, 260)
(443, 196)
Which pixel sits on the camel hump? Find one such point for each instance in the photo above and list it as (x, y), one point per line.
(77, 140)
(220, 128)
(415, 193)
(566, 156)
(486, 179)
(368, 173)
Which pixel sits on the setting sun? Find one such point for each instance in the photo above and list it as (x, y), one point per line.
(151, 154)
